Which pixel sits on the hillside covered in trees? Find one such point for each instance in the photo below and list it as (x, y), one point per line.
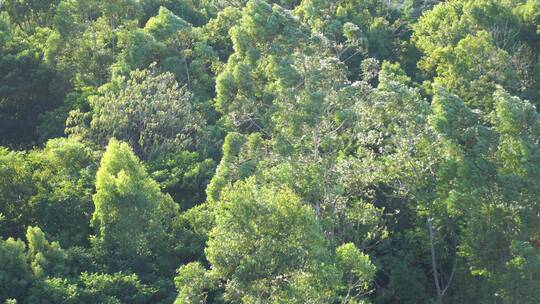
(278, 151)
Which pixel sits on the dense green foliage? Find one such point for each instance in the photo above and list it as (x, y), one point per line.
(269, 151)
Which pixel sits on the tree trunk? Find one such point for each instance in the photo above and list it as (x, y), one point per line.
(434, 261)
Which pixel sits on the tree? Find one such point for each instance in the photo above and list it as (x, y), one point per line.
(478, 192)
(16, 190)
(266, 246)
(225, 172)
(63, 172)
(356, 30)
(470, 45)
(193, 283)
(54, 290)
(148, 110)
(116, 288)
(131, 214)
(31, 14)
(28, 87)
(260, 65)
(165, 25)
(79, 45)
(49, 187)
(216, 31)
(358, 268)
(176, 47)
(15, 273)
(46, 259)
(184, 176)
(196, 13)
(474, 68)
(93, 288)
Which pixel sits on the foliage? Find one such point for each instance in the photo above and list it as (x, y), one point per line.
(269, 151)
(131, 214)
(267, 246)
(15, 273)
(149, 111)
(46, 259)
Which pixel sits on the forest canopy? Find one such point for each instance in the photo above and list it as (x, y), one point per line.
(269, 151)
